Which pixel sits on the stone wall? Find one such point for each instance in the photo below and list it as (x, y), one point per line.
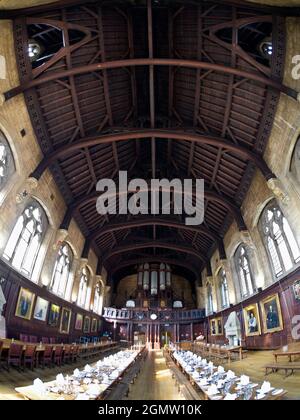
(16, 125)
(278, 154)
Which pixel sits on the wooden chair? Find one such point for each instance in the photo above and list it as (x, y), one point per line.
(30, 356)
(75, 354)
(24, 338)
(15, 354)
(47, 357)
(67, 354)
(58, 353)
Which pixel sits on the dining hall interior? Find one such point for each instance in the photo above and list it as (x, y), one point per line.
(142, 305)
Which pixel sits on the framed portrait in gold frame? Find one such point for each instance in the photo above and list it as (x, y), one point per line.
(25, 304)
(65, 320)
(252, 320)
(271, 314)
(94, 325)
(79, 322)
(86, 324)
(216, 326)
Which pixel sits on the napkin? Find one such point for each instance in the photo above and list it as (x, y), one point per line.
(204, 362)
(76, 373)
(220, 383)
(60, 379)
(265, 388)
(39, 386)
(244, 380)
(230, 375)
(87, 368)
(220, 369)
(212, 390)
(230, 396)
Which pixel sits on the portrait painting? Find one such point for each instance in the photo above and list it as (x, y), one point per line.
(271, 314)
(213, 327)
(86, 324)
(252, 320)
(296, 289)
(25, 304)
(94, 325)
(78, 322)
(65, 320)
(53, 315)
(41, 309)
(219, 325)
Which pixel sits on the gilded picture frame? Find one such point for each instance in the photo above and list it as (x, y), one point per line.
(271, 314)
(24, 305)
(252, 320)
(79, 322)
(216, 326)
(65, 320)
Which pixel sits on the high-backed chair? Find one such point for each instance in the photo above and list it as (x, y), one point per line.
(52, 340)
(67, 354)
(29, 356)
(15, 353)
(45, 340)
(58, 353)
(24, 338)
(33, 339)
(47, 357)
(75, 353)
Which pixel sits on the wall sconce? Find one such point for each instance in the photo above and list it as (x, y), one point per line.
(259, 289)
(2, 280)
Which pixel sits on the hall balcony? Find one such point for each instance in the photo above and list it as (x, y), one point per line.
(158, 315)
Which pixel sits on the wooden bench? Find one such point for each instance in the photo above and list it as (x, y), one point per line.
(287, 367)
(289, 351)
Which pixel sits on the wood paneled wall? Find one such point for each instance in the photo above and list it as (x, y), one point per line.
(15, 325)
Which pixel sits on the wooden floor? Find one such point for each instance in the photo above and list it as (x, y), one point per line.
(155, 380)
(253, 366)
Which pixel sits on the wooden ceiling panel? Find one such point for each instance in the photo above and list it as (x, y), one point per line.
(85, 104)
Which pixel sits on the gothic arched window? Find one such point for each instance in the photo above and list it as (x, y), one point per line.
(60, 283)
(223, 288)
(98, 299)
(7, 164)
(242, 264)
(279, 240)
(210, 307)
(83, 287)
(25, 240)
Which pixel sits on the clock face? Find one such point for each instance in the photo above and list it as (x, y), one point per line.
(153, 317)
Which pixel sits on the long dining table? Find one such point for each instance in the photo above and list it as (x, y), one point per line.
(30, 393)
(204, 389)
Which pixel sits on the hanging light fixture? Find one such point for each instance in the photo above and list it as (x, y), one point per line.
(35, 49)
(266, 48)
